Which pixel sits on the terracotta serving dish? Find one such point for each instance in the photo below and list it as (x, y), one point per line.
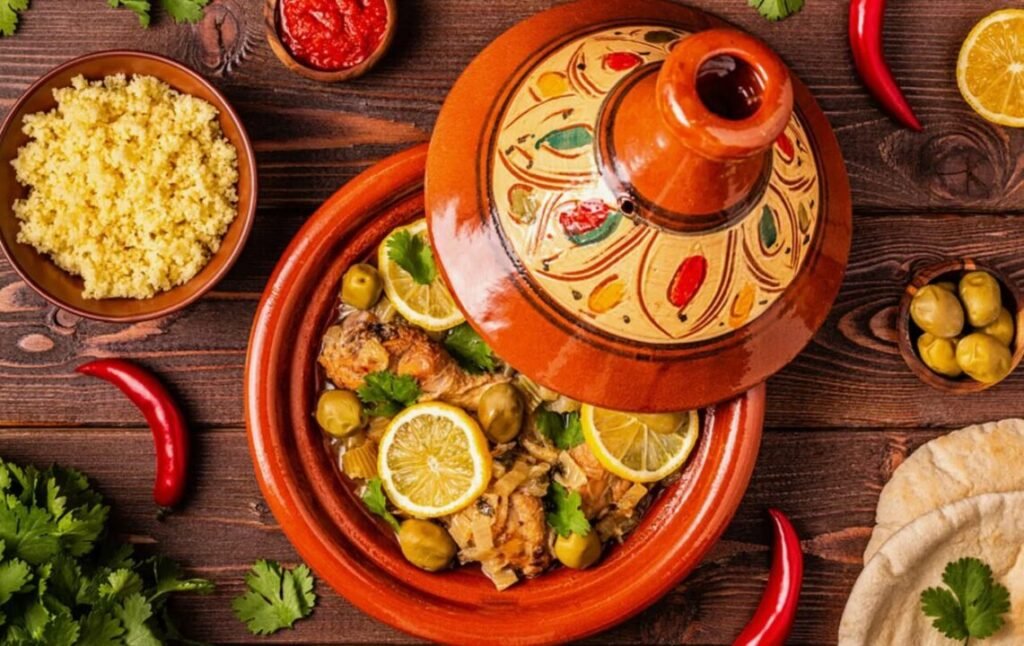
(271, 22)
(908, 332)
(356, 554)
(65, 290)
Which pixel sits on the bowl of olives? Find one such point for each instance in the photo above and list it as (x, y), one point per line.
(959, 326)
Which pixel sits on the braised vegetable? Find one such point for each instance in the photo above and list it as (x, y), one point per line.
(774, 616)
(983, 358)
(339, 412)
(1002, 328)
(170, 435)
(981, 296)
(501, 412)
(578, 552)
(937, 311)
(361, 461)
(426, 545)
(866, 20)
(939, 354)
(361, 286)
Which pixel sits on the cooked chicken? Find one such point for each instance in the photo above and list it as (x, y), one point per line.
(361, 344)
(523, 540)
(602, 489)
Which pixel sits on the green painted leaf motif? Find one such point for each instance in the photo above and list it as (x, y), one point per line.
(566, 138)
(660, 36)
(767, 228)
(600, 233)
(803, 218)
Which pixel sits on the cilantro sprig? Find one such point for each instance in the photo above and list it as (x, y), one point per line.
(180, 10)
(386, 394)
(565, 515)
(9, 10)
(377, 502)
(411, 253)
(566, 431)
(275, 598)
(472, 353)
(777, 9)
(972, 604)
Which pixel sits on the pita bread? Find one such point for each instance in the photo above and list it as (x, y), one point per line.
(884, 607)
(986, 458)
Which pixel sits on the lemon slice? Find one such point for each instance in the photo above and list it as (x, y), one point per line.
(433, 460)
(639, 447)
(990, 69)
(431, 306)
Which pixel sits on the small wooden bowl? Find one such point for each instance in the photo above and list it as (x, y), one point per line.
(270, 20)
(908, 332)
(61, 288)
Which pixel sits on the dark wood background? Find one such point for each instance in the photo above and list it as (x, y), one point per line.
(840, 419)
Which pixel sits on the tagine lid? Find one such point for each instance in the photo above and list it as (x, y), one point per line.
(638, 206)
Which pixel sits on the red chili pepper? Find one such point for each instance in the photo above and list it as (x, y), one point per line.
(163, 416)
(866, 17)
(771, 623)
(687, 280)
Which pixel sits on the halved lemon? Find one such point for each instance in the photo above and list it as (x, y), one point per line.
(429, 306)
(433, 460)
(640, 447)
(990, 69)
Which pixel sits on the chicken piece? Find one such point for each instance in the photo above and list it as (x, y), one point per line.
(362, 344)
(603, 489)
(524, 539)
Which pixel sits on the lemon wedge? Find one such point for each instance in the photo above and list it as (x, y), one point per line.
(433, 460)
(430, 306)
(639, 447)
(990, 69)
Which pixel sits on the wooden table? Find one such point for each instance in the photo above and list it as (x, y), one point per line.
(840, 419)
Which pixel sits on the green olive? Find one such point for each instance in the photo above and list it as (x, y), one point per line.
(1002, 328)
(339, 412)
(981, 296)
(426, 545)
(939, 354)
(361, 286)
(937, 312)
(578, 552)
(501, 412)
(983, 358)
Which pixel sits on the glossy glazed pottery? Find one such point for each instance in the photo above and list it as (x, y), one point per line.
(357, 554)
(908, 333)
(63, 289)
(647, 195)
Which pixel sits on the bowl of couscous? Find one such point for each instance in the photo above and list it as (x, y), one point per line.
(127, 186)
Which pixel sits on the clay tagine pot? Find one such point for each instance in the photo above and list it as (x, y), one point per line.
(636, 206)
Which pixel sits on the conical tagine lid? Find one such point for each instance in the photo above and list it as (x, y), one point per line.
(637, 206)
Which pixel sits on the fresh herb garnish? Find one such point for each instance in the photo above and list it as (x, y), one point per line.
(412, 254)
(972, 604)
(9, 15)
(275, 598)
(377, 502)
(565, 516)
(180, 10)
(469, 349)
(61, 581)
(565, 431)
(386, 393)
(777, 9)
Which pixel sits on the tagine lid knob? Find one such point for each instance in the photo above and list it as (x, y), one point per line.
(637, 205)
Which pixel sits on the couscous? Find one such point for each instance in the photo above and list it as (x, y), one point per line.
(132, 185)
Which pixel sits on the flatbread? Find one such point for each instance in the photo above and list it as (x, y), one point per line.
(985, 458)
(884, 607)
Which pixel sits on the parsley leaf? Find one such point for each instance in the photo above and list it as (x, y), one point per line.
(377, 502)
(276, 597)
(566, 431)
(972, 604)
(565, 516)
(387, 393)
(140, 7)
(777, 9)
(412, 254)
(469, 349)
(185, 10)
(9, 15)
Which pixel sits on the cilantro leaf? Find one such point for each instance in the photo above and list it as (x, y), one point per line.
(565, 516)
(276, 597)
(14, 575)
(185, 10)
(387, 393)
(463, 343)
(377, 502)
(140, 7)
(566, 431)
(777, 9)
(134, 613)
(412, 254)
(972, 604)
(168, 577)
(9, 15)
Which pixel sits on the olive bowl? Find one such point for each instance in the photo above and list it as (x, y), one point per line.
(908, 332)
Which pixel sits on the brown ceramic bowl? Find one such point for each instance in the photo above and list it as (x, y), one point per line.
(356, 553)
(63, 289)
(908, 332)
(271, 23)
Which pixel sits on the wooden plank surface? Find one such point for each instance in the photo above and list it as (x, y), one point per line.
(840, 418)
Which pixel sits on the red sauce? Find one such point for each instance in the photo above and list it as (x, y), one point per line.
(332, 35)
